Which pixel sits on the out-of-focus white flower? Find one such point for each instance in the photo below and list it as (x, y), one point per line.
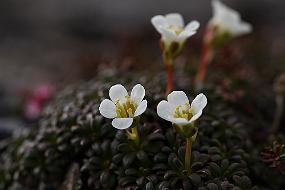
(228, 20)
(172, 29)
(123, 108)
(178, 110)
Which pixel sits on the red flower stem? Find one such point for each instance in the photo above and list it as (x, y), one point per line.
(205, 58)
(169, 87)
(169, 69)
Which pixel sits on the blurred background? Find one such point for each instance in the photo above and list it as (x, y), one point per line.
(46, 44)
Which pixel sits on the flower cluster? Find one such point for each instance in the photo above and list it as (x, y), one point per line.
(225, 24)
(123, 109)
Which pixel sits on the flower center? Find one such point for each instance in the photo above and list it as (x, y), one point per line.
(126, 109)
(176, 29)
(183, 112)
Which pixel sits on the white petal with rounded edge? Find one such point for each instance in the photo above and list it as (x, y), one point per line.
(196, 116)
(199, 103)
(174, 19)
(165, 111)
(192, 26)
(180, 121)
(138, 93)
(122, 123)
(229, 19)
(218, 10)
(177, 98)
(141, 108)
(184, 35)
(242, 28)
(167, 35)
(118, 92)
(108, 109)
(223, 12)
(158, 21)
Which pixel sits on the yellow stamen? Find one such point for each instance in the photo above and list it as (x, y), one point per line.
(183, 112)
(130, 112)
(176, 29)
(127, 108)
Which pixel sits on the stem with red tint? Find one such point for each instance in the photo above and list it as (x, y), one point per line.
(206, 57)
(169, 87)
(169, 69)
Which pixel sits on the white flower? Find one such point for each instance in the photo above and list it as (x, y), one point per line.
(172, 29)
(123, 108)
(228, 20)
(178, 110)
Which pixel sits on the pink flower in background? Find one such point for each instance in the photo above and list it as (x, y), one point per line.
(36, 100)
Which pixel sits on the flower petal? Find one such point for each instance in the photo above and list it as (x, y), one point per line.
(192, 26)
(141, 108)
(199, 103)
(108, 109)
(158, 21)
(196, 116)
(224, 13)
(138, 93)
(168, 35)
(165, 111)
(122, 123)
(229, 19)
(181, 121)
(118, 92)
(177, 98)
(243, 28)
(184, 35)
(174, 19)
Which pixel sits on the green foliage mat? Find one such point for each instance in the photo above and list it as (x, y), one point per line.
(75, 148)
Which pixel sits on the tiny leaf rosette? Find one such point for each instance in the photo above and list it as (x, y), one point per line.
(122, 107)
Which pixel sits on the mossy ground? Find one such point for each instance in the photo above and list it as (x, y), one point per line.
(74, 147)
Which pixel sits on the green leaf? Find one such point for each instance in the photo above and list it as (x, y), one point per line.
(129, 159)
